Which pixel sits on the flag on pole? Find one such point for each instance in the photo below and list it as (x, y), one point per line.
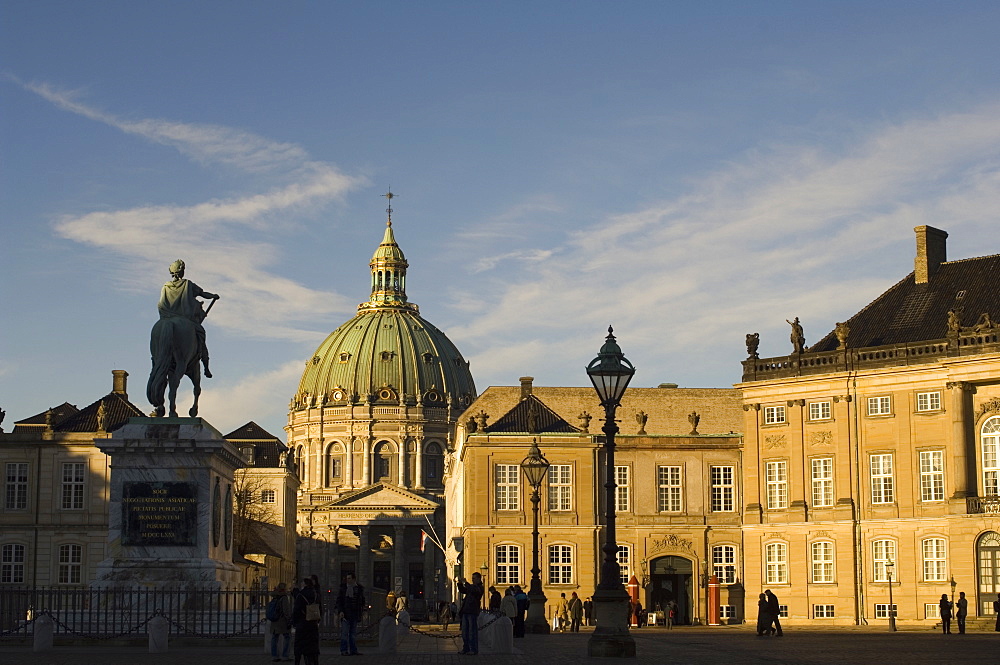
(423, 539)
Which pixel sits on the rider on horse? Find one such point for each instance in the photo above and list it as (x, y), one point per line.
(179, 297)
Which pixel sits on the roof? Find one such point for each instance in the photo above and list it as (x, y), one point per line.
(59, 413)
(252, 432)
(117, 411)
(267, 448)
(519, 419)
(910, 312)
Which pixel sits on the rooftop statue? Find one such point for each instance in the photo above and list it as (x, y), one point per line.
(177, 341)
(797, 337)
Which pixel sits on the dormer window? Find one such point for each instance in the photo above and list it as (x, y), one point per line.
(344, 356)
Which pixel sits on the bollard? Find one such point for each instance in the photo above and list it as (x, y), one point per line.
(387, 634)
(486, 641)
(158, 629)
(402, 625)
(44, 628)
(503, 635)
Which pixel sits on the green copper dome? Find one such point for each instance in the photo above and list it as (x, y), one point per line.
(387, 354)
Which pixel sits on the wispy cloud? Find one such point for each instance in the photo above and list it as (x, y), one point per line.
(226, 238)
(782, 232)
(231, 405)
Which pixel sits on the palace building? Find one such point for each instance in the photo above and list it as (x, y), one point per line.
(370, 427)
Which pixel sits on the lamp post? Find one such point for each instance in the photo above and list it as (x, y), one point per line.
(486, 594)
(892, 611)
(535, 466)
(610, 373)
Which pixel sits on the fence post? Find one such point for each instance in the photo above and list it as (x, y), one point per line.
(44, 627)
(387, 634)
(158, 629)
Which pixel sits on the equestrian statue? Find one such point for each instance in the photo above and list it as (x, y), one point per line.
(177, 342)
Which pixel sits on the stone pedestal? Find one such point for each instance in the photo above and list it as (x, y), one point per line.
(171, 505)
(611, 638)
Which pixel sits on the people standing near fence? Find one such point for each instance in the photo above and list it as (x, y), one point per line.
(521, 598)
(279, 613)
(945, 609)
(306, 614)
(350, 607)
(472, 602)
(575, 613)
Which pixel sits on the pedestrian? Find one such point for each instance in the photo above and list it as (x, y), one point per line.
(640, 615)
(401, 601)
(562, 612)
(588, 610)
(774, 609)
(575, 613)
(945, 606)
(962, 611)
(522, 609)
(508, 606)
(279, 613)
(996, 611)
(350, 607)
(306, 614)
(671, 613)
(763, 616)
(445, 614)
(495, 599)
(468, 614)
(390, 602)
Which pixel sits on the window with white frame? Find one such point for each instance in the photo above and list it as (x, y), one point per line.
(560, 487)
(72, 485)
(268, 496)
(508, 564)
(879, 406)
(16, 490)
(822, 481)
(819, 411)
(823, 611)
(774, 415)
(783, 611)
(822, 561)
(882, 610)
(883, 551)
(625, 562)
(560, 564)
(929, 401)
(935, 560)
(932, 475)
(670, 489)
(991, 456)
(623, 489)
(70, 564)
(12, 564)
(507, 486)
(723, 489)
(932, 610)
(724, 563)
(777, 484)
(776, 563)
(881, 477)
(727, 611)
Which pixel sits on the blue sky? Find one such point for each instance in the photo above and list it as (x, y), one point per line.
(686, 171)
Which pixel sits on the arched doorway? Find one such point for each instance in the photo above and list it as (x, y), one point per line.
(988, 564)
(671, 578)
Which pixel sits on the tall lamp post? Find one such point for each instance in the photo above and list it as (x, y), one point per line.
(892, 610)
(535, 466)
(483, 569)
(610, 373)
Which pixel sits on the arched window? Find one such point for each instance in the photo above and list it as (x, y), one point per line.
(300, 467)
(988, 555)
(883, 557)
(991, 456)
(384, 467)
(70, 564)
(433, 465)
(776, 563)
(935, 559)
(724, 563)
(560, 564)
(12, 564)
(508, 564)
(822, 561)
(335, 464)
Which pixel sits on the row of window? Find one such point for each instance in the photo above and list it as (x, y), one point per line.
(71, 490)
(880, 405)
(822, 569)
(69, 562)
(670, 488)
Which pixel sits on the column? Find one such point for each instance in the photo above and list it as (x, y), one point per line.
(401, 459)
(364, 558)
(418, 482)
(333, 581)
(962, 438)
(399, 567)
(366, 461)
(349, 463)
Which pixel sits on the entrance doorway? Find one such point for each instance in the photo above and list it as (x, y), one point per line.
(988, 557)
(670, 579)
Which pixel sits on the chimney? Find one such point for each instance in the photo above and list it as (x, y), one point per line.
(931, 252)
(526, 386)
(120, 382)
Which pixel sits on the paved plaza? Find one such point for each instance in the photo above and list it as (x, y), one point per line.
(694, 645)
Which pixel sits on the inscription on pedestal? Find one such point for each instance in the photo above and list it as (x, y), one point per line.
(159, 513)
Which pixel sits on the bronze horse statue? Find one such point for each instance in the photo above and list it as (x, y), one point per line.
(177, 342)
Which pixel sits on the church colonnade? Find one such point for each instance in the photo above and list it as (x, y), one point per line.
(418, 464)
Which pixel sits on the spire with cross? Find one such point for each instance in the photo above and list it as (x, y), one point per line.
(389, 196)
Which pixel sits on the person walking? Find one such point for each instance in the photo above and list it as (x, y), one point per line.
(508, 605)
(671, 613)
(445, 615)
(961, 611)
(468, 614)
(764, 620)
(575, 613)
(588, 610)
(774, 608)
(279, 613)
(945, 606)
(521, 598)
(350, 607)
(562, 612)
(306, 614)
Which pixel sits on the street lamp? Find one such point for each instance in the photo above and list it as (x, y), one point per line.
(486, 594)
(610, 373)
(892, 610)
(535, 466)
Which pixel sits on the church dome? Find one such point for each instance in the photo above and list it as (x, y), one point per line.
(387, 354)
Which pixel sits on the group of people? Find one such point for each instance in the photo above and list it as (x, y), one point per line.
(960, 609)
(767, 615)
(569, 613)
(302, 609)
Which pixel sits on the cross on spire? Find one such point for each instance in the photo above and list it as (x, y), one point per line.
(389, 196)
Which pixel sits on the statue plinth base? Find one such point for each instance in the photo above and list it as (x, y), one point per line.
(611, 638)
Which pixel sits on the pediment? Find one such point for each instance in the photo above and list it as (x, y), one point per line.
(381, 496)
